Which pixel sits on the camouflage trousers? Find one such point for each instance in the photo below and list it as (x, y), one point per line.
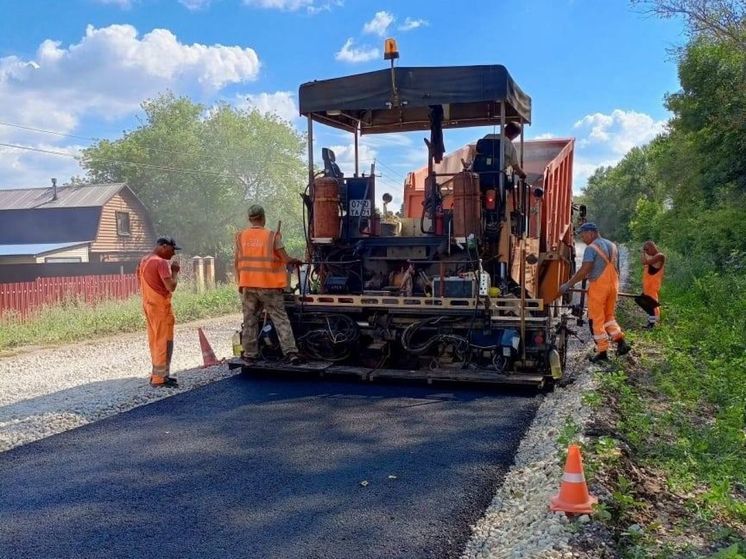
(254, 299)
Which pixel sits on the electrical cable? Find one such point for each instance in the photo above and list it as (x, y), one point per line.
(213, 157)
(184, 170)
(333, 342)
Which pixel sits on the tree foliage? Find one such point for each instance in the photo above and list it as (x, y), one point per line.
(612, 193)
(687, 188)
(197, 171)
(721, 20)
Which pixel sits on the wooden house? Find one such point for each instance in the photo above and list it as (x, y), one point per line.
(86, 223)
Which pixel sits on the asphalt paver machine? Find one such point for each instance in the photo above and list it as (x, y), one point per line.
(463, 283)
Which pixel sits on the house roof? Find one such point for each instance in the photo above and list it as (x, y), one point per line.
(35, 249)
(85, 196)
(30, 216)
(49, 225)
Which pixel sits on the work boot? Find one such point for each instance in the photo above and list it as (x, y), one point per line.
(163, 382)
(600, 357)
(295, 359)
(622, 347)
(246, 360)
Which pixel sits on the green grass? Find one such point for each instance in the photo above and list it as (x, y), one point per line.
(74, 321)
(681, 409)
(702, 380)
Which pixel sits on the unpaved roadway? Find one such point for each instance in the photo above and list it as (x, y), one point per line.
(257, 467)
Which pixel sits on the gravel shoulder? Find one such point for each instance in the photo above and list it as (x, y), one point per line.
(47, 391)
(518, 522)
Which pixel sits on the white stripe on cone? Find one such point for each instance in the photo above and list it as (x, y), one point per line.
(573, 478)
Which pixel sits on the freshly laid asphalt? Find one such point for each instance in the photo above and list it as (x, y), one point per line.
(267, 468)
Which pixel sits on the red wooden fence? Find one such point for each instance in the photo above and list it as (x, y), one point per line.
(24, 298)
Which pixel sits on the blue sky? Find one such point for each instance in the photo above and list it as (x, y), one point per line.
(596, 69)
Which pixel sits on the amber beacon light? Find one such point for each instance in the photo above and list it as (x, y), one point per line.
(390, 50)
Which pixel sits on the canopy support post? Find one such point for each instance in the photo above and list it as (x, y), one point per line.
(310, 150)
(357, 153)
(505, 217)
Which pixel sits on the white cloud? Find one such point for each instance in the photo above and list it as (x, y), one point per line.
(395, 139)
(311, 6)
(110, 71)
(583, 169)
(106, 75)
(345, 157)
(195, 5)
(280, 103)
(124, 4)
(348, 53)
(24, 169)
(620, 131)
(604, 139)
(544, 136)
(410, 23)
(324, 6)
(379, 24)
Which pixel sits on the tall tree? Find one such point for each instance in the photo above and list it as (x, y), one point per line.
(721, 20)
(687, 188)
(612, 193)
(197, 170)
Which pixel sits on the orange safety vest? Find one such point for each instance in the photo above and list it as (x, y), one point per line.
(258, 263)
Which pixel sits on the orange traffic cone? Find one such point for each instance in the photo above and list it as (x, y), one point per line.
(208, 355)
(573, 496)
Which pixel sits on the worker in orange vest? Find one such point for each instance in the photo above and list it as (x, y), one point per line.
(157, 282)
(601, 267)
(261, 272)
(653, 262)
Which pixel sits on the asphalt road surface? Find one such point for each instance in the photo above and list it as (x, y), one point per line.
(271, 468)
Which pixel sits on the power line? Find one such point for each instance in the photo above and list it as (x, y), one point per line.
(93, 139)
(188, 171)
(211, 157)
(385, 181)
(32, 129)
(390, 169)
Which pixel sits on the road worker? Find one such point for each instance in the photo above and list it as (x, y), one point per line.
(601, 267)
(653, 262)
(512, 131)
(157, 282)
(260, 265)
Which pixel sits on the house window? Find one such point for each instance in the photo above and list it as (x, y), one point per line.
(123, 224)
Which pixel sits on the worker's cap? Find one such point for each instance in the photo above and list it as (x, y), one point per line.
(255, 210)
(586, 227)
(168, 241)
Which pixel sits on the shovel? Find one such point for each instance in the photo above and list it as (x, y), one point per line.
(645, 302)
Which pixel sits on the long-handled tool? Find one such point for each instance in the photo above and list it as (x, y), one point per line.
(645, 302)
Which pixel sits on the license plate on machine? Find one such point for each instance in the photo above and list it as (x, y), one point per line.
(360, 208)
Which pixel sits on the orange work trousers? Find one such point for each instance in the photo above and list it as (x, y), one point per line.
(603, 293)
(651, 286)
(160, 320)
